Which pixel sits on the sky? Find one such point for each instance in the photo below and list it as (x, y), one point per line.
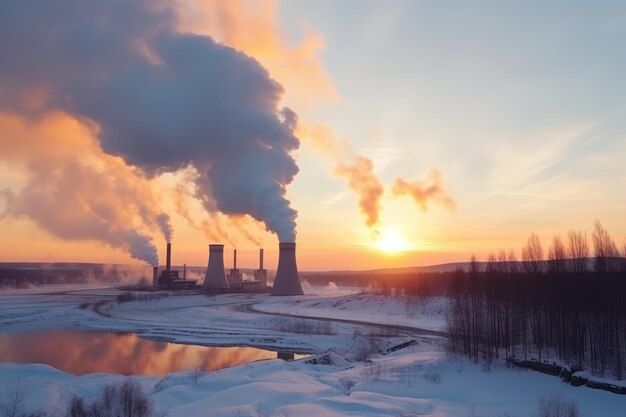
(426, 131)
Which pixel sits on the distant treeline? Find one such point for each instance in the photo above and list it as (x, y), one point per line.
(42, 274)
(569, 307)
(579, 318)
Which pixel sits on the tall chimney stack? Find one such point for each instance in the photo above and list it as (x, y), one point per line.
(260, 274)
(261, 258)
(287, 281)
(215, 278)
(155, 276)
(168, 257)
(234, 258)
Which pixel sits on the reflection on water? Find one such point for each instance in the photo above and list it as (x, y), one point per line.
(81, 352)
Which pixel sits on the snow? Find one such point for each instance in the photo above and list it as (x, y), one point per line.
(371, 308)
(419, 380)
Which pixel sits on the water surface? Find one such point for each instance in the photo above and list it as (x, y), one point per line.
(81, 352)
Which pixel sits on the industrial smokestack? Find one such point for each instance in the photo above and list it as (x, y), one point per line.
(260, 274)
(261, 258)
(168, 257)
(155, 276)
(287, 281)
(234, 258)
(215, 278)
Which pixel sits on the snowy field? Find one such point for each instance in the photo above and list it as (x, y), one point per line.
(351, 374)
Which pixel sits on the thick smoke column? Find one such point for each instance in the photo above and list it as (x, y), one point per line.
(163, 221)
(362, 179)
(424, 191)
(160, 99)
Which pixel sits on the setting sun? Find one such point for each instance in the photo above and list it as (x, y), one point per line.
(391, 241)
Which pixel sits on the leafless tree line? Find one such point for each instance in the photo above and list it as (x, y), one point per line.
(567, 306)
(571, 255)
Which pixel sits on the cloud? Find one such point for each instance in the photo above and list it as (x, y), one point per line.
(423, 192)
(361, 178)
(252, 28)
(357, 170)
(159, 98)
(74, 190)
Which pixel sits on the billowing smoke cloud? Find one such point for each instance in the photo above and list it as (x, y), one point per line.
(159, 98)
(252, 27)
(423, 192)
(75, 191)
(215, 225)
(362, 179)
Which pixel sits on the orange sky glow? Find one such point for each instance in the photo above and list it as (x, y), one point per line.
(419, 184)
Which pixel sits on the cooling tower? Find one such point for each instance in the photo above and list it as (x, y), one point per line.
(215, 278)
(287, 281)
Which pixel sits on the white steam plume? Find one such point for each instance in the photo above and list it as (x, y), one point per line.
(159, 98)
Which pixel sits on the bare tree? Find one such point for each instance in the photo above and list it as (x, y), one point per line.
(604, 248)
(15, 399)
(532, 255)
(503, 266)
(492, 264)
(474, 267)
(556, 256)
(76, 407)
(623, 267)
(577, 250)
(513, 267)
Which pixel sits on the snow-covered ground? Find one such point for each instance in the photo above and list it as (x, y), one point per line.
(354, 379)
(426, 314)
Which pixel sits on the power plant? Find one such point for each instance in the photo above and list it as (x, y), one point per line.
(215, 277)
(216, 280)
(169, 278)
(234, 278)
(261, 274)
(287, 281)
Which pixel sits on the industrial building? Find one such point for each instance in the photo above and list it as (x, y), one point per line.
(169, 278)
(286, 282)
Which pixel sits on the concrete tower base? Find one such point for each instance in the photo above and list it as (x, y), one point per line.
(287, 281)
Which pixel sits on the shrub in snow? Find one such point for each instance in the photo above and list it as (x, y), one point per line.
(347, 384)
(432, 377)
(554, 405)
(14, 400)
(122, 400)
